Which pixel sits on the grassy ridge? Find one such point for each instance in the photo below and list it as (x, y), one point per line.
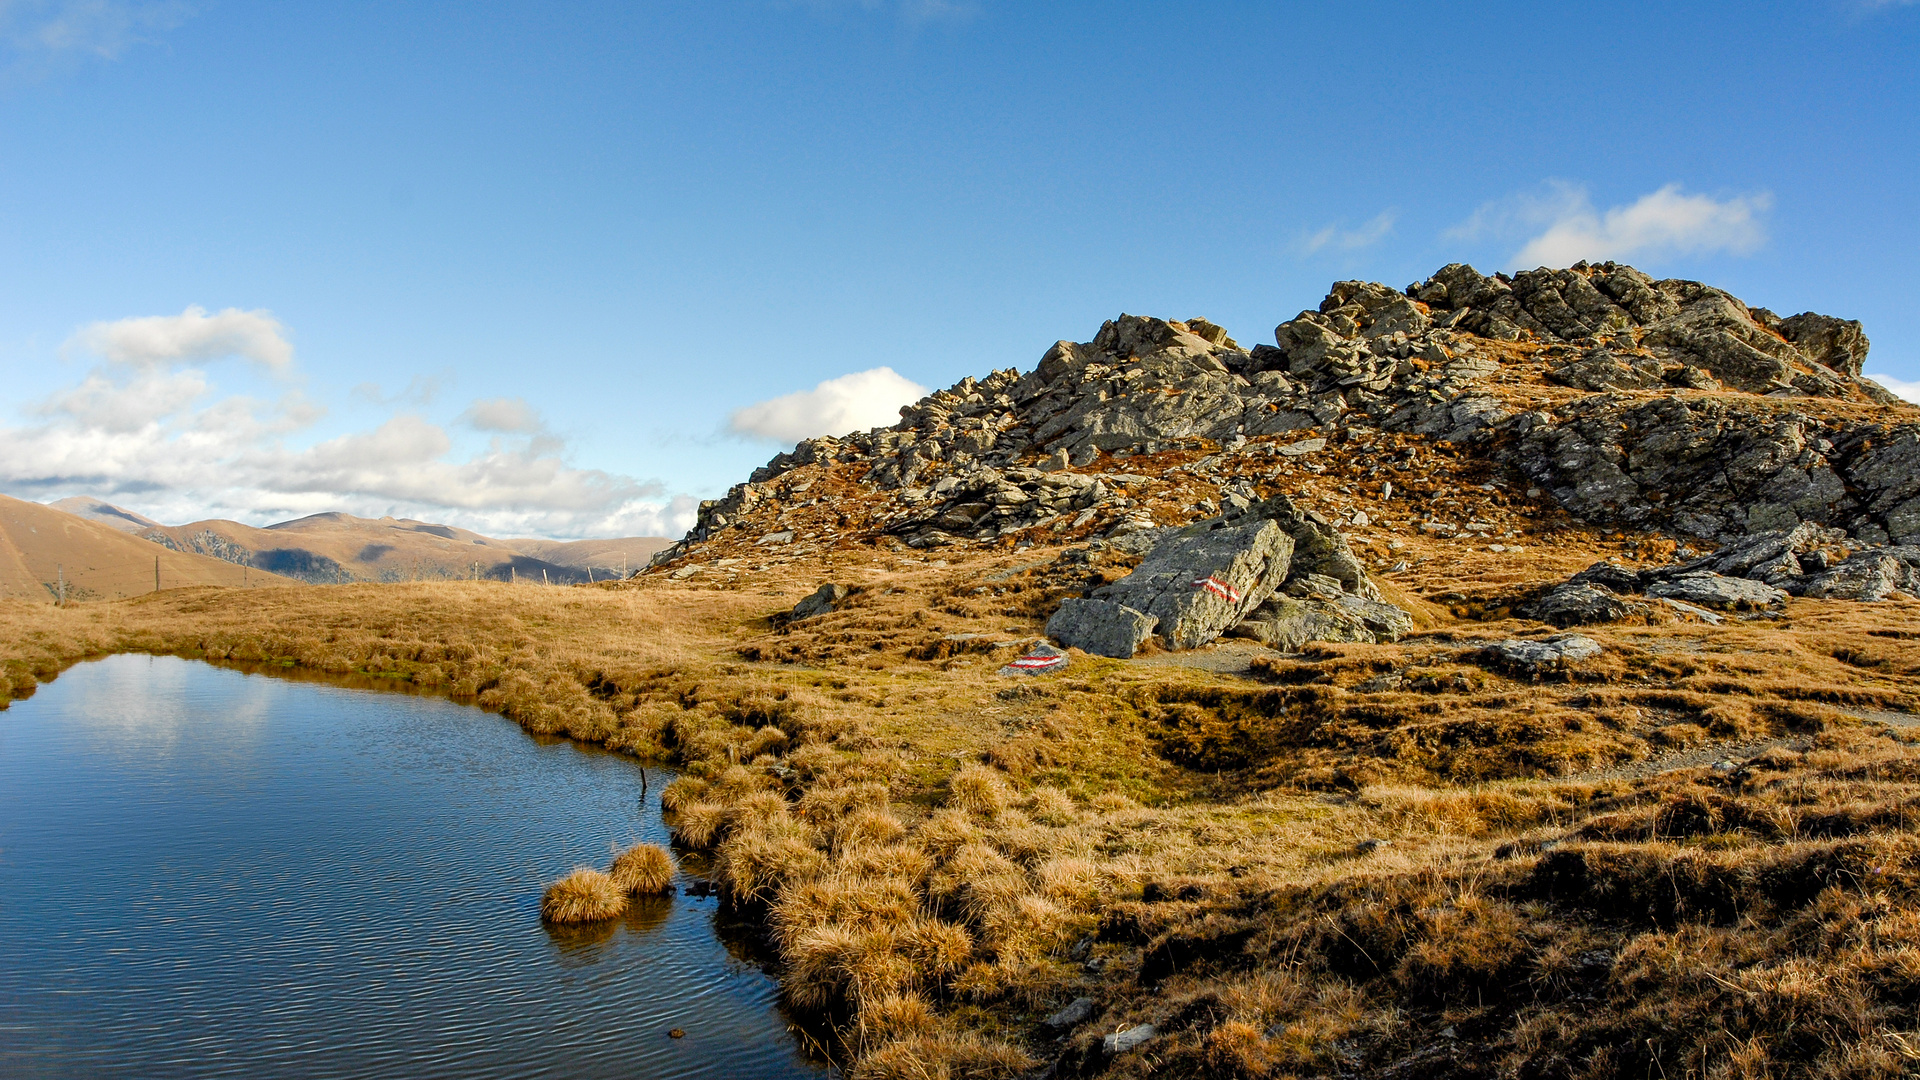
(1467, 874)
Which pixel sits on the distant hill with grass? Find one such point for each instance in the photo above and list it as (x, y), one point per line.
(336, 548)
(41, 546)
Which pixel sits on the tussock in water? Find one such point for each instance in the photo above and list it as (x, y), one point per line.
(645, 869)
(586, 895)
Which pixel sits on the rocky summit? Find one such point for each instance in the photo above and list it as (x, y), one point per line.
(1259, 488)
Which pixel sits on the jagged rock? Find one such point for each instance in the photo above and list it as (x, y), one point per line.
(1840, 344)
(1764, 556)
(819, 602)
(1719, 591)
(1100, 627)
(1603, 372)
(1871, 575)
(1200, 581)
(1537, 657)
(1318, 546)
(1383, 620)
(1580, 604)
(1609, 575)
(1667, 436)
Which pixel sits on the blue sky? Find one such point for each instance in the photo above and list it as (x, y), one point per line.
(532, 268)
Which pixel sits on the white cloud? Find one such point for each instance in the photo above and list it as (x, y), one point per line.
(504, 415)
(1351, 240)
(157, 434)
(101, 403)
(1563, 227)
(103, 28)
(864, 399)
(191, 335)
(1909, 389)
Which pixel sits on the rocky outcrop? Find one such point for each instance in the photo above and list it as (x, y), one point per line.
(1753, 575)
(1690, 412)
(1266, 571)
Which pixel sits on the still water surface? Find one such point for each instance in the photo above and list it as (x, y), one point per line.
(206, 873)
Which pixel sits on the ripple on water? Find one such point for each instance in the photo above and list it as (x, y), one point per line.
(209, 873)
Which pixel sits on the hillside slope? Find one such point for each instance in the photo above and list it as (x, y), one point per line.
(99, 510)
(1462, 843)
(336, 548)
(39, 544)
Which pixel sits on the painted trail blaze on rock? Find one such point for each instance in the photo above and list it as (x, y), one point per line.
(1037, 661)
(1218, 588)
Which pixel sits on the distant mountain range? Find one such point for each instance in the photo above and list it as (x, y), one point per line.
(337, 548)
(43, 550)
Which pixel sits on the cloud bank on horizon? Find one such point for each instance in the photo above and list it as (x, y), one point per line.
(147, 425)
(855, 402)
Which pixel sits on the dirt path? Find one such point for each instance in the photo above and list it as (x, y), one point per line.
(1224, 657)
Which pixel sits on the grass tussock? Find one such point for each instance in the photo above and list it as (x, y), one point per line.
(643, 869)
(583, 896)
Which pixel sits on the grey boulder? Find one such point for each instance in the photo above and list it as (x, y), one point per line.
(1038, 660)
(1608, 574)
(1868, 576)
(1537, 657)
(1200, 581)
(1580, 604)
(1383, 620)
(1100, 627)
(1711, 590)
(1122, 1041)
(1077, 1012)
(821, 601)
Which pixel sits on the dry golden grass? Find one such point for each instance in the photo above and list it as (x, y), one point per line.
(645, 869)
(1284, 873)
(585, 895)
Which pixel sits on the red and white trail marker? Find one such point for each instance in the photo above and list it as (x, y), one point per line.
(1218, 588)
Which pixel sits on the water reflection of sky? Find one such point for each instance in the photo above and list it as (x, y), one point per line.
(210, 873)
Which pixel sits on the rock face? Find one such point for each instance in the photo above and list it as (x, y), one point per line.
(1200, 581)
(1689, 411)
